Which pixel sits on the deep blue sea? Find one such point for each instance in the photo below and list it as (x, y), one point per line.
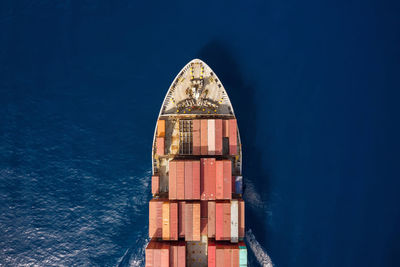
(314, 84)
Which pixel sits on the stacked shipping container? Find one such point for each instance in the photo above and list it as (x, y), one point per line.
(208, 136)
(184, 180)
(160, 254)
(222, 220)
(224, 254)
(182, 216)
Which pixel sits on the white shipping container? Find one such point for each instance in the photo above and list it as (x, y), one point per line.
(234, 221)
(211, 137)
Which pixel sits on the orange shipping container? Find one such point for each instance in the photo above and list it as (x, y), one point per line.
(188, 221)
(181, 219)
(211, 219)
(161, 128)
(180, 180)
(165, 221)
(160, 146)
(241, 219)
(196, 180)
(172, 180)
(173, 220)
(155, 184)
(204, 137)
(165, 255)
(196, 221)
(219, 194)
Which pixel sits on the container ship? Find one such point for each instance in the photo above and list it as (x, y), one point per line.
(196, 215)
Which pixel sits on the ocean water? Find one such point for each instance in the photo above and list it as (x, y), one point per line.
(315, 87)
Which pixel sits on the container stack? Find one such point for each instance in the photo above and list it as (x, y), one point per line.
(209, 135)
(203, 204)
(160, 140)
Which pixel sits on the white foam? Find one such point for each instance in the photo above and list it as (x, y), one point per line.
(260, 253)
(139, 258)
(252, 196)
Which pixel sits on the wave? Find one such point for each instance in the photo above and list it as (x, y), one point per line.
(135, 255)
(258, 251)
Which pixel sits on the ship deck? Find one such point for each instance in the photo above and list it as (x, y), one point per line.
(195, 93)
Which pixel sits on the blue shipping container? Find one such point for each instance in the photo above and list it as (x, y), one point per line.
(242, 256)
(239, 185)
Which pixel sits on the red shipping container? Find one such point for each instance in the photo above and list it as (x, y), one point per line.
(227, 255)
(196, 137)
(182, 254)
(203, 172)
(149, 252)
(157, 255)
(155, 218)
(225, 128)
(211, 219)
(227, 179)
(219, 194)
(188, 179)
(155, 184)
(211, 179)
(241, 219)
(219, 221)
(204, 137)
(172, 180)
(220, 256)
(165, 254)
(181, 218)
(180, 180)
(203, 226)
(232, 137)
(196, 180)
(196, 221)
(227, 221)
(173, 217)
(188, 221)
(211, 254)
(160, 146)
(235, 255)
(173, 254)
(218, 137)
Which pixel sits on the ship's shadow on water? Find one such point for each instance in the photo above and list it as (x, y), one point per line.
(243, 97)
